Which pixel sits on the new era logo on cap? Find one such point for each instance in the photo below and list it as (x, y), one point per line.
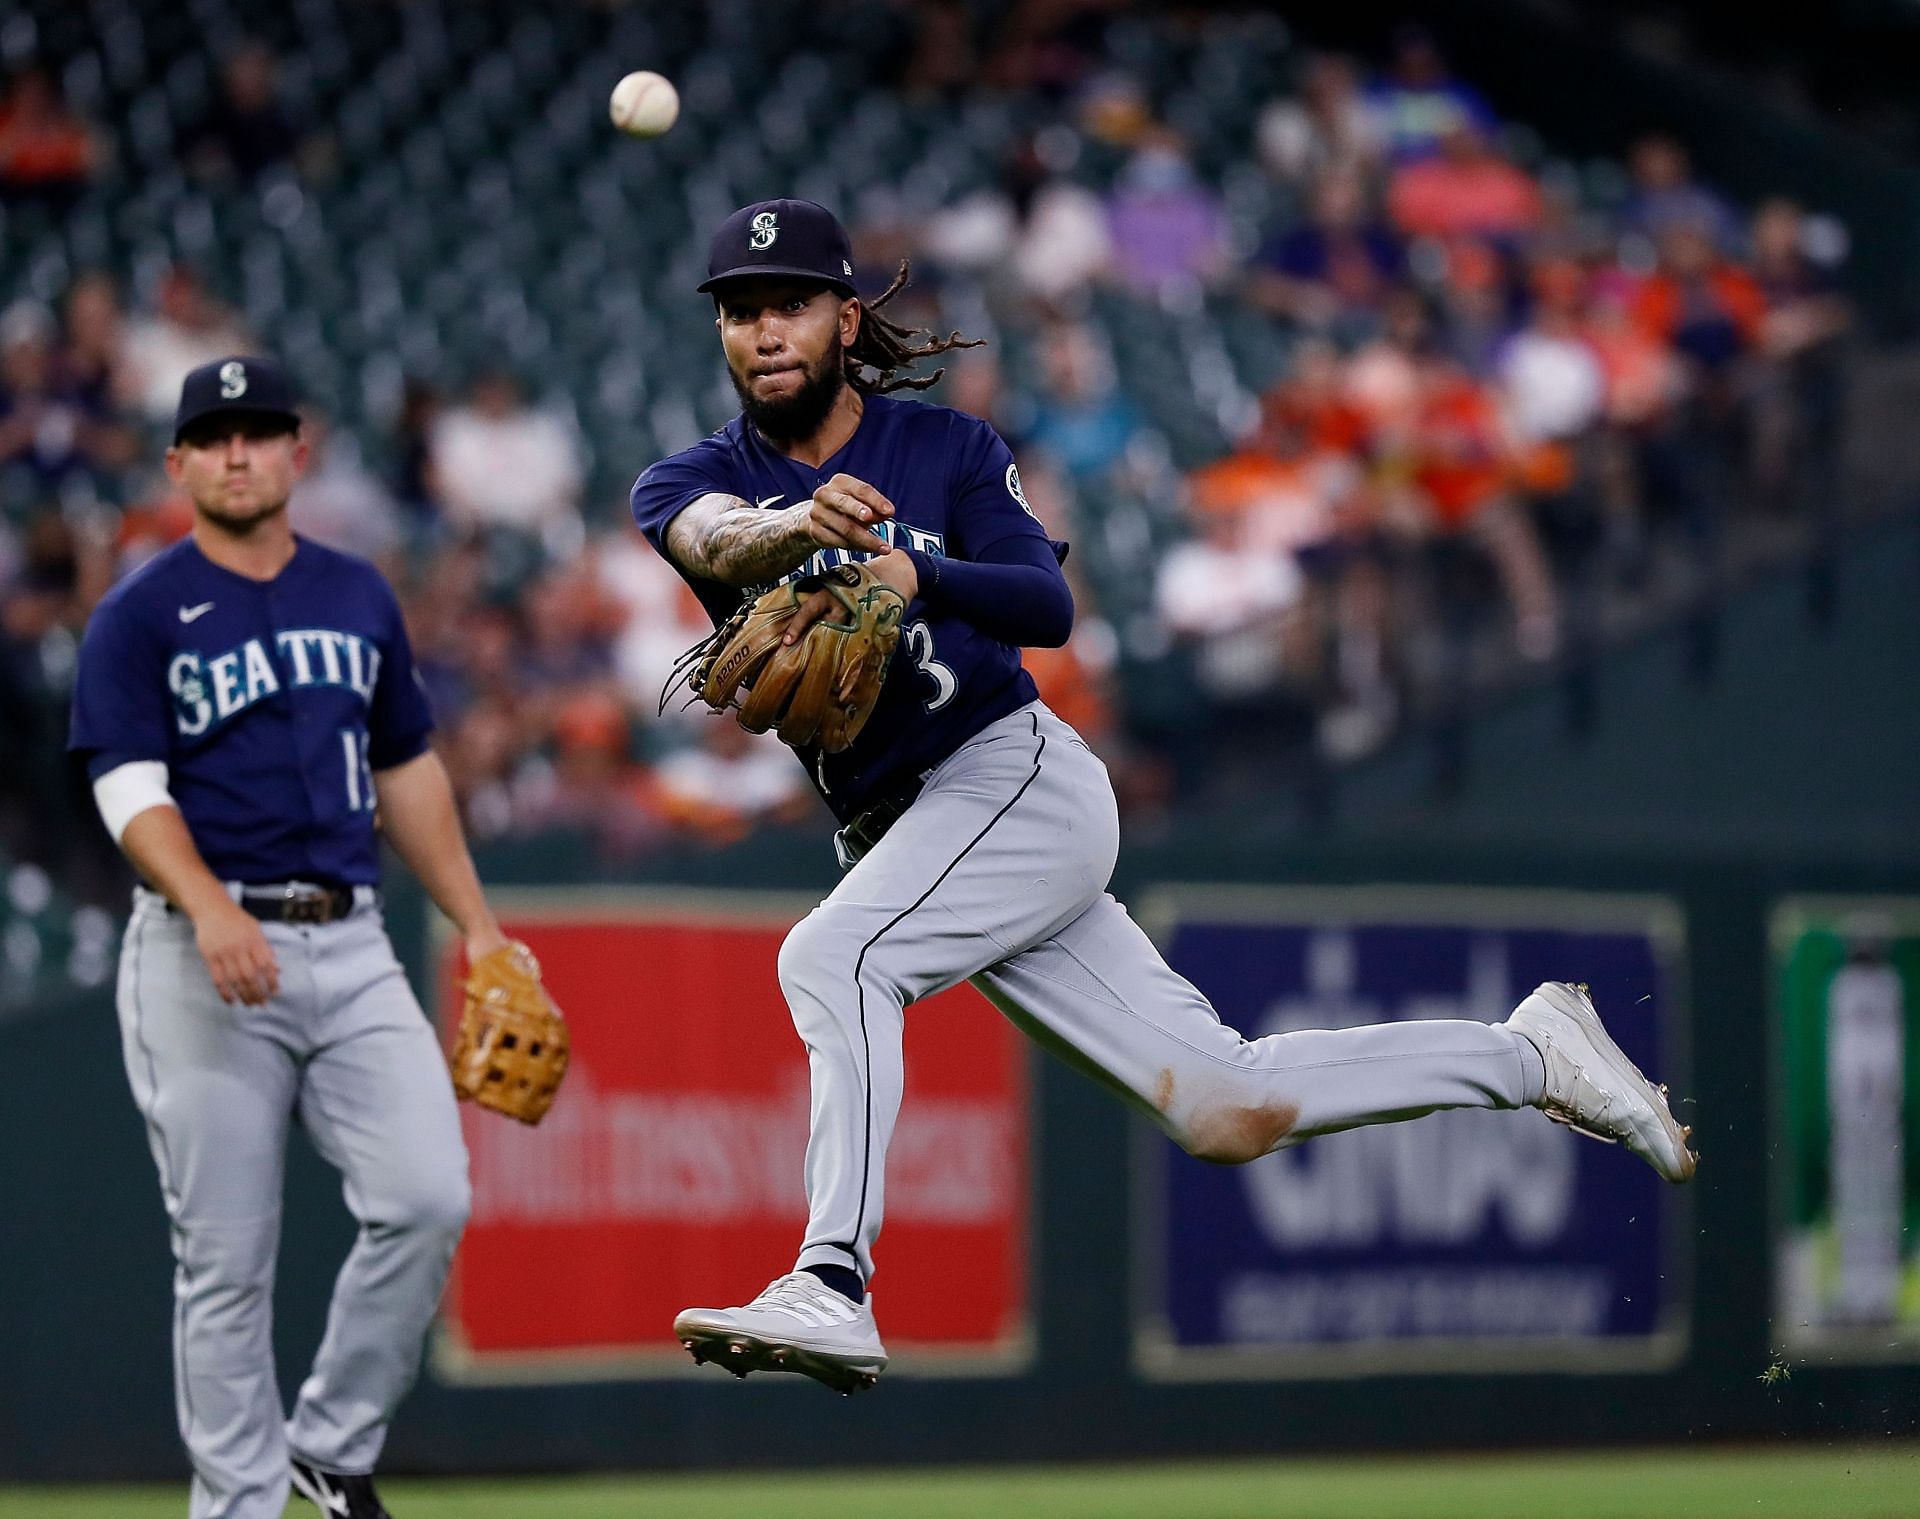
(795, 238)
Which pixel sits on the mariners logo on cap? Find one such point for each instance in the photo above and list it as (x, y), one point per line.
(233, 380)
(766, 227)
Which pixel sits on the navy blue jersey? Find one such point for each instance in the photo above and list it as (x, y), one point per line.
(272, 702)
(956, 494)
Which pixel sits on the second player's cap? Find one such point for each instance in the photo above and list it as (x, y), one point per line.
(241, 384)
(781, 237)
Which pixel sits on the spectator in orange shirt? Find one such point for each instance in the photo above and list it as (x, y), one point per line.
(1457, 448)
(1313, 398)
(1459, 459)
(1468, 189)
(1710, 313)
(595, 789)
(1644, 386)
(1641, 371)
(1707, 307)
(1319, 505)
(1296, 479)
(46, 152)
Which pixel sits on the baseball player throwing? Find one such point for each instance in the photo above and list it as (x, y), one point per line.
(979, 831)
(245, 703)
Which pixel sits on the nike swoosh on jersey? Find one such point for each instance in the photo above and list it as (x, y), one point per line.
(769, 500)
(188, 614)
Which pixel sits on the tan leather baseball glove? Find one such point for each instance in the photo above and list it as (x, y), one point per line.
(820, 690)
(512, 1049)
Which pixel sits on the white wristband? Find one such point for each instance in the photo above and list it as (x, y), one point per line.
(128, 790)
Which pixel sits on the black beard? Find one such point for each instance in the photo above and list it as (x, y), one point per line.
(795, 418)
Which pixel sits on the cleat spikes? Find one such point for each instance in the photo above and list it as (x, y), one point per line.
(1592, 1086)
(782, 1331)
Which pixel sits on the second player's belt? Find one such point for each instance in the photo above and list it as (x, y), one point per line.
(297, 902)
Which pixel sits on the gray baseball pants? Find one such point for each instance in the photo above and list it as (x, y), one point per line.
(997, 874)
(345, 1049)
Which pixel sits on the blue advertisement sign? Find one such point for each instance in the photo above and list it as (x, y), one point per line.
(1454, 1241)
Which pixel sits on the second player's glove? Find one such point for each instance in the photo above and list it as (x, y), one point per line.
(513, 1048)
(820, 689)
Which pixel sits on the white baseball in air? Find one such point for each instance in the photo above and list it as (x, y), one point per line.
(644, 104)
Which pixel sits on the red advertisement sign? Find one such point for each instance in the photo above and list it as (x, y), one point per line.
(669, 1173)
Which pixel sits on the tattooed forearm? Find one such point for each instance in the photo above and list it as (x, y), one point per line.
(722, 538)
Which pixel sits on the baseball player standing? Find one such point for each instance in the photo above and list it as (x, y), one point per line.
(979, 831)
(245, 702)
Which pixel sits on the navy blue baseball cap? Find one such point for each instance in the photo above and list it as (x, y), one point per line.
(242, 384)
(796, 238)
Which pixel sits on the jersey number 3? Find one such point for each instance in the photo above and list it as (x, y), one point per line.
(919, 639)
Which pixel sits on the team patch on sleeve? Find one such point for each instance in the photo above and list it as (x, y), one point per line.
(1013, 490)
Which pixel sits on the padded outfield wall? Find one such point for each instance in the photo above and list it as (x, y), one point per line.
(1477, 1279)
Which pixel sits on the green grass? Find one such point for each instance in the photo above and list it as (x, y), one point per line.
(1771, 1482)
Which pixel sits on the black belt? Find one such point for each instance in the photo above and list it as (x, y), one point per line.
(294, 902)
(870, 825)
(297, 902)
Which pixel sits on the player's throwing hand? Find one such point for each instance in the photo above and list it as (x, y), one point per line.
(840, 511)
(838, 517)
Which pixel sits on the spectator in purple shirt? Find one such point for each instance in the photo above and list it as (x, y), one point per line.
(1168, 229)
(1666, 196)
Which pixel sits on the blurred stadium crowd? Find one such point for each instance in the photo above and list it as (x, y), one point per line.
(1350, 395)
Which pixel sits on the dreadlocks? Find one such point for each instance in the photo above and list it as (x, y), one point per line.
(883, 348)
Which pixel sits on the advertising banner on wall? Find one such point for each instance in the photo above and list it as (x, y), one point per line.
(1846, 974)
(1463, 1240)
(669, 1172)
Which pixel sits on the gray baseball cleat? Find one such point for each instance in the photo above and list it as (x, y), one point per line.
(798, 1324)
(1591, 1085)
